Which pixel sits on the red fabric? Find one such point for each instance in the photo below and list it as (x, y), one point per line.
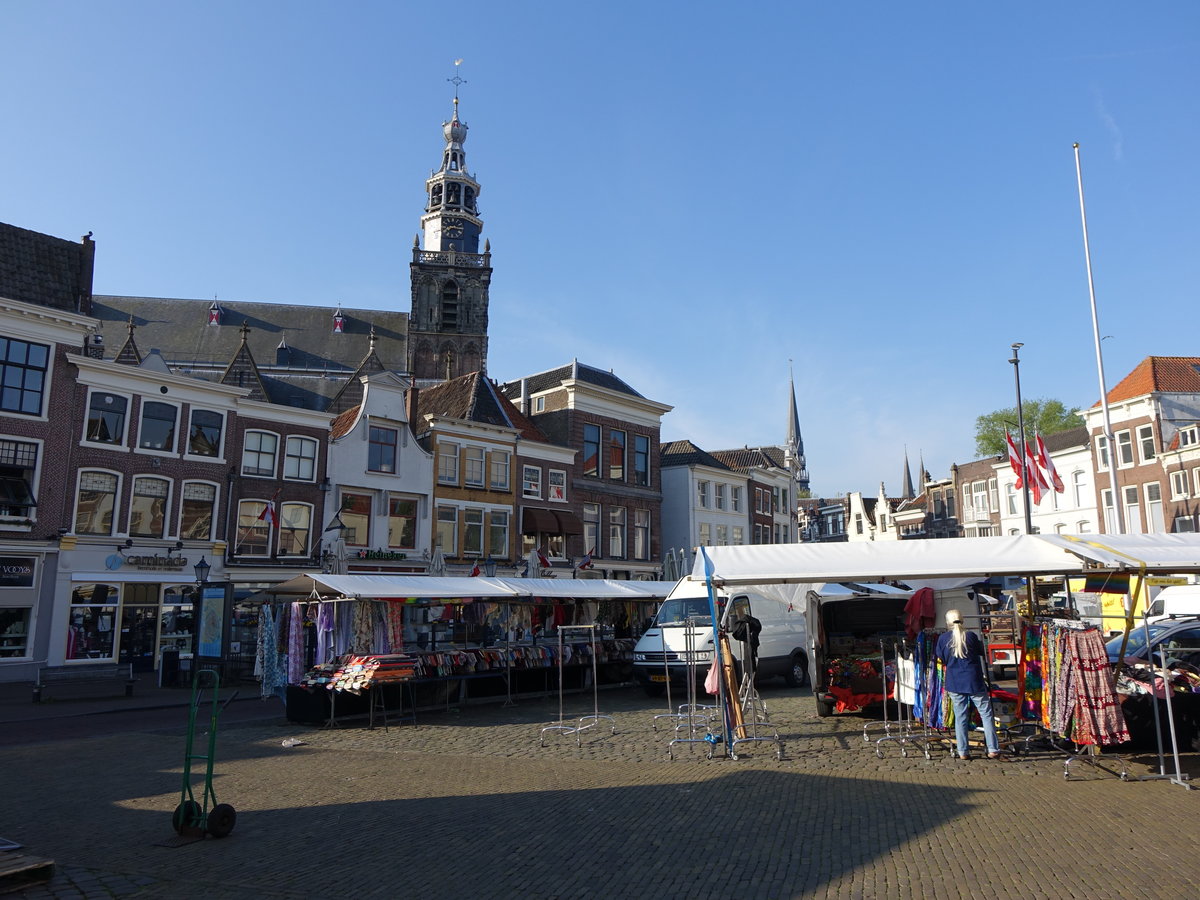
(845, 700)
(1014, 460)
(919, 612)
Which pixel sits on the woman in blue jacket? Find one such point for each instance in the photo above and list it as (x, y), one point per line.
(961, 652)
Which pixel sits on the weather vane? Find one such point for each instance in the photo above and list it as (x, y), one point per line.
(457, 79)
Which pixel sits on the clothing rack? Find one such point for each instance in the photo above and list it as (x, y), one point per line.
(577, 729)
(754, 709)
(692, 715)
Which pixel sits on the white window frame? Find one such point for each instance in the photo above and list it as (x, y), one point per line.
(531, 482)
(1145, 435)
(735, 498)
(719, 495)
(245, 449)
(497, 533)
(499, 470)
(452, 521)
(116, 509)
(1133, 523)
(212, 518)
(154, 451)
(1179, 485)
(474, 466)
(284, 510)
(34, 481)
(556, 485)
(447, 462)
(288, 456)
(219, 456)
(702, 494)
(1124, 441)
(394, 444)
(1102, 456)
(164, 530)
(121, 442)
(252, 521)
(1079, 489)
(1155, 517)
(473, 526)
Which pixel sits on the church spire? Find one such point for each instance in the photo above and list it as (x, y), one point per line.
(793, 451)
(451, 220)
(906, 482)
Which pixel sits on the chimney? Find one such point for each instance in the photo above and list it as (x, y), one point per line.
(411, 406)
(87, 265)
(524, 397)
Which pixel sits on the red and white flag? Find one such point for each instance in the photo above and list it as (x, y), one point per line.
(586, 562)
(475, 571)
(1038, 485)
(1046, 465)
(1014, 460)
(268, 514)
(542, 561)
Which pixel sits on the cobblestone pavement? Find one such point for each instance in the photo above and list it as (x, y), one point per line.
(466, 803)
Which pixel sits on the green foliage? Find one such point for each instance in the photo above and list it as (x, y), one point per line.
(1041, 416)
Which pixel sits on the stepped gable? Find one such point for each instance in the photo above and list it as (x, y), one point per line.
(685, 453)
(46, 271)
(1158, 374)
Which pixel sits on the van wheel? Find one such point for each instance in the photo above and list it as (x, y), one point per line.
(797, 672)
(653, 690)
(824, 708)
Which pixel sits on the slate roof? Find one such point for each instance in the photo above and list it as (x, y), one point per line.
(1065, 440)
(544, 381)
(751, 457)
(685, 453)
(46, 271)
(1158, 374)
(474, 398)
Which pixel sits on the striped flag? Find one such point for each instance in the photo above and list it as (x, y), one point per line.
(268, 514)
(1014, 460)
(1046, 465)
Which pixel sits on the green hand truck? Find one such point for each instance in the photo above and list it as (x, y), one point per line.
(194, 818)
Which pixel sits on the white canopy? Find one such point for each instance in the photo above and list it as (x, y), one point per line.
(957, 557)
(391, 587)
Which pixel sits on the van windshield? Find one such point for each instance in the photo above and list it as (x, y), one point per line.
(679, 610)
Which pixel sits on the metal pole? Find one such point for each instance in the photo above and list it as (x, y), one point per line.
(1118, 517)
(1016, 364)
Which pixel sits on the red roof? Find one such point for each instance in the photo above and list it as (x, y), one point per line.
(1159, 375)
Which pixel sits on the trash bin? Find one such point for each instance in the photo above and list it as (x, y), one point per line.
(168, 669)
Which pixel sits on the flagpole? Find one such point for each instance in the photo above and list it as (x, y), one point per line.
(1118, 517)
(1024, 451)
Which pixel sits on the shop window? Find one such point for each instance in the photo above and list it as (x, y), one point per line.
(300, 458)
(381, 452)
(499, 470)
(93, 621)
(498, 534)
(23, 370)
(148, 507)
(254, 533)
(447, 530)
(402, 523)
(14, 631)
(198, 507)
(204, 433)
(258, 454)
(295, 527)
(97, 500)
(473, 466)
(356, 516)
(157, 431)
(106, 418)
(18, 474)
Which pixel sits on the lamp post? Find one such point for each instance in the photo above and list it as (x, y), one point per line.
(1016, 364)
(489, 567)
(201, 568)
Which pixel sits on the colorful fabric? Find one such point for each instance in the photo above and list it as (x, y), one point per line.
(1098, 716)
(395, 626)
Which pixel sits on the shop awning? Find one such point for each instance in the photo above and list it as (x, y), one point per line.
(395, 587)
(539, 521)
(568, 522)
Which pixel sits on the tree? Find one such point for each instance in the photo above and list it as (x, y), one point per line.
(1041, 416)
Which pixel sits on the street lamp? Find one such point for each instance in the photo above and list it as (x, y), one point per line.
(1025, 475)
(489, 567)
(201, 569)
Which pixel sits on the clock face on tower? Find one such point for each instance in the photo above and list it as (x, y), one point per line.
(452, 228)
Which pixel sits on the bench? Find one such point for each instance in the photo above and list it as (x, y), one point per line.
(84, 674)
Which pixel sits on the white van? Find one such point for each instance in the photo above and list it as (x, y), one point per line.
(662, 653)
(1177, 600)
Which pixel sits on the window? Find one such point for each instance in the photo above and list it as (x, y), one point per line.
(204, 434)
(106, 418)
(591, 450)
(295, 527)
(356, 516)
(1189, 436)
(473, 532)
(739, 535)
(705, 534)
(702, 494)
(531, 482)
(158, 426)
(641, 534)
(1179, 485)
(22, 376)
(616, 532)
(858, 523)
(616, 455)
(1110, 513)
(1124, 449)
(254, 532)
(939, 507)
(300, 459)
(735, 499)
(197, 508)
(722, 535)
(1133, 515)
(447, 463)
(539, 404)
(18, 472)
(381, 451)
(258, 455)
(97, 502)
(1010, 495)
(94, 624)
(556, 483)
(473, 466)
(950, 503)
(14, 631)
(1184, 525)
(402, 523)
(498, 534)
(641, 460)
(719, 495)
(447, 530)
(148, 507)
(1079, 488)
(591, 527)
(1154, 507)
(499, 470)
(979, 500)
(993, 495)
(1145, 435)
(1101, 453)
(1196, 482)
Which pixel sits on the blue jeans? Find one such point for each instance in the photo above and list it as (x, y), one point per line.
(962, 712)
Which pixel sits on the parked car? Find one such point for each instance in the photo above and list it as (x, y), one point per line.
(1178, 638)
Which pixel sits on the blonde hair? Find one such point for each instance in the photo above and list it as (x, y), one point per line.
(958, 639)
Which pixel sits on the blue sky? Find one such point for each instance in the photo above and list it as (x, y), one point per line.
(689, 194)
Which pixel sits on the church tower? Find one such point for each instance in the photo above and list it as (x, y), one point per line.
(447, 330)
(793, 451)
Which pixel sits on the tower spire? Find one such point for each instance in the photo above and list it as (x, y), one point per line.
(793, 451)
(906, 482)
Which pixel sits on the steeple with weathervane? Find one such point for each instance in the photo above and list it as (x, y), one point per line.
(793, 451)
(450, 277)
